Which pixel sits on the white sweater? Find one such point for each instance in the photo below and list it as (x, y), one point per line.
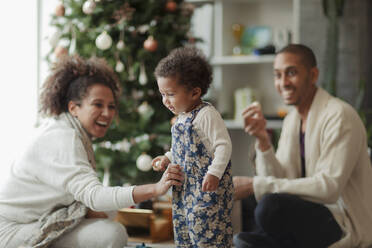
(54, 170)
(212, 131)
(338, 168)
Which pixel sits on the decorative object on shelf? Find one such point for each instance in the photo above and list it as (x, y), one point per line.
(171, 6)
(104, 41)
(237, 30)
(150, 44)
(243, 97)
(60, 10)
(89, 7)
(144, 162)
(282, 37)
(269, 49)
(255, 37)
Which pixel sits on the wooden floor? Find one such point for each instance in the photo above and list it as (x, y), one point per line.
(168, 244)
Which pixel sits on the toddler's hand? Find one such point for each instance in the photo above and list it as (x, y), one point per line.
(160, 163)
(210, 183)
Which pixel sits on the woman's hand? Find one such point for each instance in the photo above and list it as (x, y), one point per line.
(173, 175)
(160, 163)
(210, 182)
(243, 187)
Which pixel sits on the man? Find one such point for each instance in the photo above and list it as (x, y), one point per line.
(316, 191)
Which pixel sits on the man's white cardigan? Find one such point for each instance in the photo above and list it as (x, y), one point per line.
(338, 168)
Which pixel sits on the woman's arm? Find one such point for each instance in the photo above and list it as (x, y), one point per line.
(172, 176)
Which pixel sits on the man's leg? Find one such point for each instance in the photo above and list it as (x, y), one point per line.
(294, 222)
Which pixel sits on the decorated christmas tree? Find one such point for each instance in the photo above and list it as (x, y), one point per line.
(132, 35)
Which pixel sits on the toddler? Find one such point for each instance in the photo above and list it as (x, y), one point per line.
(202, 146)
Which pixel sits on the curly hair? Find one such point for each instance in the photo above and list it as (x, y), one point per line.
(70, 79)
(189, 66)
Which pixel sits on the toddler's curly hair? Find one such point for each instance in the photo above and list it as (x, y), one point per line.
(189, 66)
(70, 79)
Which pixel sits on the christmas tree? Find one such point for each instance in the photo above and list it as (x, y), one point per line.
(132, 35)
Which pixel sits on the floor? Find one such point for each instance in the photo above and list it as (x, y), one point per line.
(167, 244)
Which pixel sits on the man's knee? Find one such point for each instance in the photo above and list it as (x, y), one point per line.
(270, 211)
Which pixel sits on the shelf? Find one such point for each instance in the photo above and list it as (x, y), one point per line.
(242, 59)
(271, 124)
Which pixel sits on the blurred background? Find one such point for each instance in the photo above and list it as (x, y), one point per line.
(239, 38)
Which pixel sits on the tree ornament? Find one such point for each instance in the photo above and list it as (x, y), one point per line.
(144, 108)
(150, 44)
(120, 45)
(60, 10)
(171, 6)
(142, 77)
(104, 41)
(89, 7)
(144, 162)
(119, 66)
(54, 38)
(60, 51)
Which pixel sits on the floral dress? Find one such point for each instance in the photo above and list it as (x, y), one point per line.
(200, 219)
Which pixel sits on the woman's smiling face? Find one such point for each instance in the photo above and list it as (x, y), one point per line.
(96, 110)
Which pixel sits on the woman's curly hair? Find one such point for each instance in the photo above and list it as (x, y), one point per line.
(70, 79)
(189, 66)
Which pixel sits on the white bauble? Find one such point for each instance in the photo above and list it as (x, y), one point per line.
(54, 38)
(120, 45)
(144, 162)
(142, 77)
(144, 108)
(119, 66)
(88, 7)
(104, 41)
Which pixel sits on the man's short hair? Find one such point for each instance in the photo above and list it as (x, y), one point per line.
(307, 55)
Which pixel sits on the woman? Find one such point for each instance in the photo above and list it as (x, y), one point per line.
(53, 195)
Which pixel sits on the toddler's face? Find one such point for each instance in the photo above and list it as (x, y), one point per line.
(177, 98)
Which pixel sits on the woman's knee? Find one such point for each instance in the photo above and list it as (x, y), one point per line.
(116, 235)
(95, 233)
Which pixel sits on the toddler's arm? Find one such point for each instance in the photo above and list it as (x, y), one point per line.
(210, 182)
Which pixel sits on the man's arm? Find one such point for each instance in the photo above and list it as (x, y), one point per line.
(243, 187)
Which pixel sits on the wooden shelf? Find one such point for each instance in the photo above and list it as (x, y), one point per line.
(271, 124)
(242, 59)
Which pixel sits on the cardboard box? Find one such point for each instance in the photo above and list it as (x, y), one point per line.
(145, 225)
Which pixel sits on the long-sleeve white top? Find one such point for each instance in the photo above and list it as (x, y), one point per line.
(338, 168)
(212, 131)
(54, 170)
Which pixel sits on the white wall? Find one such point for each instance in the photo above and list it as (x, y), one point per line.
(18, 67)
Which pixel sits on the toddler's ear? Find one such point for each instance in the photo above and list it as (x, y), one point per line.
(196, 92)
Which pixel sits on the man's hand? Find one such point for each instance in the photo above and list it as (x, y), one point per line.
(210, 183)
(255, 125)
(160, 163)
(243, 187)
